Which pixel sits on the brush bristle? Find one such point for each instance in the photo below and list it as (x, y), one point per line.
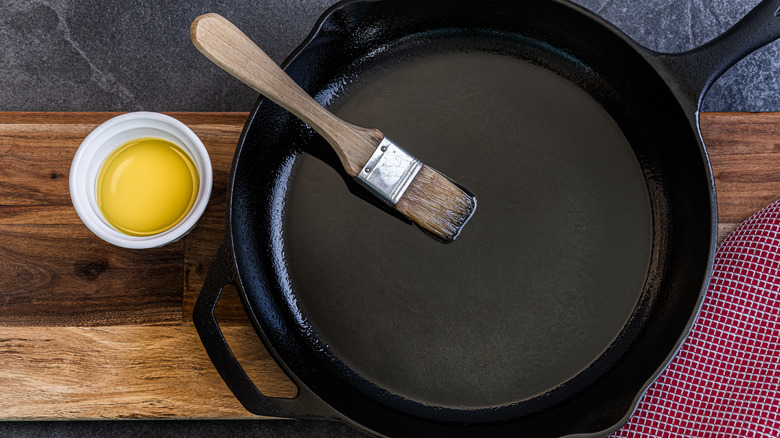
(436, 204)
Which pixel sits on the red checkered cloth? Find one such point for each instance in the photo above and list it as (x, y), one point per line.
(725, 381)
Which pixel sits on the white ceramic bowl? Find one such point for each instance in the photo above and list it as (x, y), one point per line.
(104, 140)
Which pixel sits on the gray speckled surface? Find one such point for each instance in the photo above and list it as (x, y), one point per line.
(109, 55)
(133, 55)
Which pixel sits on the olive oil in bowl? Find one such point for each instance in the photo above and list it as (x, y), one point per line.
(146, 186)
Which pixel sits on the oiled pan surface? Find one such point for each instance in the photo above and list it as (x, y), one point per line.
(543, 278)
(574, 281)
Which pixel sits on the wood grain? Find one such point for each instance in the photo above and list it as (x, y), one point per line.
(62, 275)
(53, 270)
(124, 372)
(89, 330)
(744, 151)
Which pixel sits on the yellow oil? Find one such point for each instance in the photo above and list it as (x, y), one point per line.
(146, 186)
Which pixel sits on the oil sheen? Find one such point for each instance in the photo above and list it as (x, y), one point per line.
(146, 186)
(542, 279)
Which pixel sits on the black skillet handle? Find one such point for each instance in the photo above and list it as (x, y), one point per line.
(222, 273)
(698, 69)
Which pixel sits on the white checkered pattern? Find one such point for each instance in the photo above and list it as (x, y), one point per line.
(725, 381)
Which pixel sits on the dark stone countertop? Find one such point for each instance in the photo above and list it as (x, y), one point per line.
(99, 55)
(68, 55)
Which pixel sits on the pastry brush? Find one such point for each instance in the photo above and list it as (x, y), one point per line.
(425, 196)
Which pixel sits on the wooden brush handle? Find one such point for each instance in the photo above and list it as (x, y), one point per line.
(228, 47)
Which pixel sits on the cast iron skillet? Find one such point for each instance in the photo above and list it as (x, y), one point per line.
(341, 330)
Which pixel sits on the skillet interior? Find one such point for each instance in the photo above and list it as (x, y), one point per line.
(584, 271)
(543, 281)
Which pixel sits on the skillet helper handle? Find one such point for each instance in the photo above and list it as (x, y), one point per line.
(703, 65)
(221, 274)
(228, 47)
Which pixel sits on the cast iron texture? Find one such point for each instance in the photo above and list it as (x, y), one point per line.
(653, 97)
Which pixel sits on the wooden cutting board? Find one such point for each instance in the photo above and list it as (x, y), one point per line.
(92, 331)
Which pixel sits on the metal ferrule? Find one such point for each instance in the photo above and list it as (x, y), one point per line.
(389, 172)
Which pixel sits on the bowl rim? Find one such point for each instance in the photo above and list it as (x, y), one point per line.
(115, 132)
